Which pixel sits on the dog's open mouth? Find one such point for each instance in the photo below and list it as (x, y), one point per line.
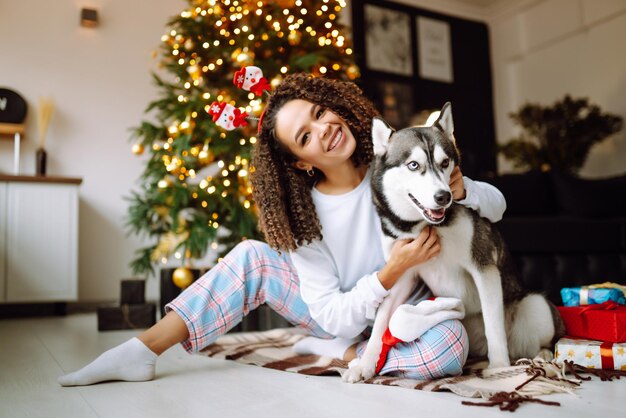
(432, 215)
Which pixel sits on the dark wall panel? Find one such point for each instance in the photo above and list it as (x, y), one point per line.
(400, 97)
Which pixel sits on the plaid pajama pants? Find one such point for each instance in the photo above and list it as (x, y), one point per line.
(253, 274)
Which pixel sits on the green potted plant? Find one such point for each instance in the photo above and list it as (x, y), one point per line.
(558, 137)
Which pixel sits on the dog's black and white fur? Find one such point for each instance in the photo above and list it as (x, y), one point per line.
(410, 181)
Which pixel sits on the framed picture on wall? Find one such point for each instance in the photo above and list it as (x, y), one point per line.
(388, 43)
(434, 50)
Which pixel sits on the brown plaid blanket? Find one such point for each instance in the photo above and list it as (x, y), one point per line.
(273, 349)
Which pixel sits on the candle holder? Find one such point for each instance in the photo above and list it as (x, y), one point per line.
(40, 162)
(44, 114)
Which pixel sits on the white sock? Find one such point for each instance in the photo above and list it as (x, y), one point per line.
(131, 361)
(335, 348)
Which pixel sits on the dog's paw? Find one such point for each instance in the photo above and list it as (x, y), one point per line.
(544, 354)
(494, 364)
(358, 371)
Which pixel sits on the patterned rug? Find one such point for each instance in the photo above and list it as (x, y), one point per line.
(506, 387)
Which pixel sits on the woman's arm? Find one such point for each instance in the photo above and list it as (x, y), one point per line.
(346, 313)
(341, 313)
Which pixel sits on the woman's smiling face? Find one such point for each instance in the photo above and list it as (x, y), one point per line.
(315, 135)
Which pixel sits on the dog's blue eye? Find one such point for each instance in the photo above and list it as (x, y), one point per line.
(413, 165)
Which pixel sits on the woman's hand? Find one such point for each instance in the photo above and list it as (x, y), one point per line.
(408, 253)
(457, 186)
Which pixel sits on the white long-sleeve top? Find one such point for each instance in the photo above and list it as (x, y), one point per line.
(338, 274)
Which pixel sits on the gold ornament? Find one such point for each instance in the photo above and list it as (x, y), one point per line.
(236, 53)
(353, 72)
(187, 125)
(274, 82)
(137, 149)
(194, 71)
(205, 156)
(294, 37)
(161, 210)
(243, 57)
(165, 183)
(182, 277)
(168, 242)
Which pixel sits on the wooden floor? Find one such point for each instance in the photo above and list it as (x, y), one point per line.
(34, 352)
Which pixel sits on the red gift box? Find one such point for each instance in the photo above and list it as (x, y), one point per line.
(604, 322)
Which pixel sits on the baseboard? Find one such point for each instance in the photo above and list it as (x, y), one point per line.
(88, 307)
(260, 319)
(29, 310)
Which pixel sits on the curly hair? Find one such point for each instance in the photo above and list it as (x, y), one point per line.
(282, 192)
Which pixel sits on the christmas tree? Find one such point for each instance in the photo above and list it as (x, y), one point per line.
(195, 193)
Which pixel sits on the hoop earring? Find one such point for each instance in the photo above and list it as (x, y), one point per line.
(310, 172)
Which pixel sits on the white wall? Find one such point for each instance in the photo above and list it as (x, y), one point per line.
(542, 50)
(100, 82)
(466, 9)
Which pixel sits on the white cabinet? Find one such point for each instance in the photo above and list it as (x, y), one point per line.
(3, 238)
(38, 239)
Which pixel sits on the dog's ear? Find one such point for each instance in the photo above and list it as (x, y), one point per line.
(381, 132)
(445, 120)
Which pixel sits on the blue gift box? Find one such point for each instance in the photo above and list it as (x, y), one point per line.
(591, 295)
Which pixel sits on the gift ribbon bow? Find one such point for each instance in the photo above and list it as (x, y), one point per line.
(606, 349)
(584, 290)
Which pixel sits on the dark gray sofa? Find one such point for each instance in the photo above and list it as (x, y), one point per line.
(564, 231)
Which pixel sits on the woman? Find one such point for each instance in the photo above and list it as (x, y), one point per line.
(311, 184)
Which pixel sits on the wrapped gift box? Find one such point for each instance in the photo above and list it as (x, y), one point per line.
(169, 290)
(126, 317)
(603, 322)
(133, 292)
(589, 295)
(591, 353)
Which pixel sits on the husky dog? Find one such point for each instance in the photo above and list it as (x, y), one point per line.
(410, 179)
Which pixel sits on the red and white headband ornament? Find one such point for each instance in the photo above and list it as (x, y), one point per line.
(229, 117)
(251, 79)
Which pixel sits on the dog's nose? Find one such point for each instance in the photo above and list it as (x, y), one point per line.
(443, 197)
